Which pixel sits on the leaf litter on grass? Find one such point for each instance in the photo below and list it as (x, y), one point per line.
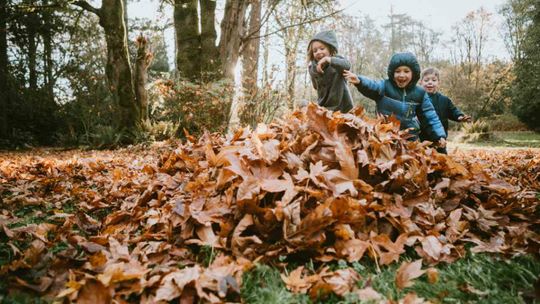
(317, 185)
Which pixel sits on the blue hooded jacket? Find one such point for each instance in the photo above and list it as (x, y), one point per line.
(411, 105)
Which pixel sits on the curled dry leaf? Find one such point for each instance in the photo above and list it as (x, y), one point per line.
(407, 272)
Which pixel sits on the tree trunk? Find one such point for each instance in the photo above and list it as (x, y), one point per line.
(48, 61)
(188, 44)
(32, 52)
(144, 59)
(209, 50)
(290, 78)
(250, 51)
(232, 31)
(118, 67)
(4, 89)
(266, 52)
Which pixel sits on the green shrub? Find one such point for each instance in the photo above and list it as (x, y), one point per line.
(195, 107)
(506, 122)
(475, 131)
(156, 130)
(105, 137)
(261, 106)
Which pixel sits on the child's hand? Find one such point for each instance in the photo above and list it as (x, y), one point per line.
(351, 77)
(322, 63)
(441, 143)
(464, 118)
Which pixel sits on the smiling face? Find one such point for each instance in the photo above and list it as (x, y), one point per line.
(430, 82)
(319, 50)
(403, 76)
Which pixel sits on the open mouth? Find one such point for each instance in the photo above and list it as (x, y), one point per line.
(401, 83)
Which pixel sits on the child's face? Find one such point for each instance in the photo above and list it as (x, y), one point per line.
(430, 82)
(402, 76)
(320, 50)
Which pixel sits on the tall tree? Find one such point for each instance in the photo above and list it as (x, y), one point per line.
(399, 28)
(250, 51)
(232, 30)
(516, 21)
(142, 61)
(186, 24)
(118, 68)
(209, 52)
(4, 72)
(469, 40)
(526, 93)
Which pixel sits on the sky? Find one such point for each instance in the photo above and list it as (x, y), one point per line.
(440, 15)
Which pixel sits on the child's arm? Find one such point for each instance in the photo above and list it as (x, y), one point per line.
(429, 117)
(454, 113)
(340, 63)
(312, 74)
(337, 62)
(370, 88)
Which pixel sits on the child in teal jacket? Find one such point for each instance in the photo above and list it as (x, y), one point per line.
(399, 95)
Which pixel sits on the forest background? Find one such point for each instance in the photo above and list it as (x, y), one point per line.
(73, 73)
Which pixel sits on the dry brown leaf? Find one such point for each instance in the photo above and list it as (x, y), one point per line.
(407, 272)
(297, 282)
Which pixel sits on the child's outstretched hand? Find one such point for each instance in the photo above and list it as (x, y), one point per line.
(351, 77)
(322, 63)
(441, 143)
(464, 118)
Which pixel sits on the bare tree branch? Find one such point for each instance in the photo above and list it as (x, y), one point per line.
(86, 6)
(295, 25)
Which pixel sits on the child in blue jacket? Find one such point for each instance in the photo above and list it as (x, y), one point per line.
(326, 71)
(399, 95)
(444, 107)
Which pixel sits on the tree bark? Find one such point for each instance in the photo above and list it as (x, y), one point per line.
(232, 31)
(32, 51)
(4, 72)
(48, 60)
(118, 68)
(209, 50)
(250, 50)
(188, 43)
(144, 58)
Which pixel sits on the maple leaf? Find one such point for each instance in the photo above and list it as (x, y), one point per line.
(94, 292)
(172, 284)
(407, 272)
(387, 250)
(297, 282)
(432, 246)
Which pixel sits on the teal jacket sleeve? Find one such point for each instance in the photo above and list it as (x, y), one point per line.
(372, 89)
(429, 118)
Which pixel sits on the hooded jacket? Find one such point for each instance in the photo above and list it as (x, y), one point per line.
(332, 90)
(411, 105)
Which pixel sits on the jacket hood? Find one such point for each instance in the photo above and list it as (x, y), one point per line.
(406, 59)
(328, 37)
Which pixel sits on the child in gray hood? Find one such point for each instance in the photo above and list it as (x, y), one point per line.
(326, 72)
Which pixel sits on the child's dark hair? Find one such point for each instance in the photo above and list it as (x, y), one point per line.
(430, 71)
(310, 57)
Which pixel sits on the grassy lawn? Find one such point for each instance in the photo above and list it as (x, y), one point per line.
(517, 139)
(478, 278)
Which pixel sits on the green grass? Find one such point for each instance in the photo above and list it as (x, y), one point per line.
(479, 278)
(514, 139)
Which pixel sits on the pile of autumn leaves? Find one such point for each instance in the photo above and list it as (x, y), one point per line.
(317, 186)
